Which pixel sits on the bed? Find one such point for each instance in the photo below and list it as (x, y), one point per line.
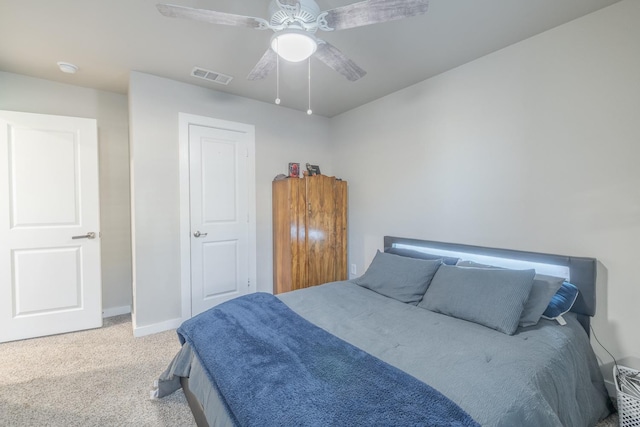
(439, 342)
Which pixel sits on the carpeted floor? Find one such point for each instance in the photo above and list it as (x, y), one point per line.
(100, 377)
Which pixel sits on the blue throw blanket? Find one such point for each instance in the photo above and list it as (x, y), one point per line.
(274, 368)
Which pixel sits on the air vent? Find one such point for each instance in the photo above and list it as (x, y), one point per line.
(212, 76)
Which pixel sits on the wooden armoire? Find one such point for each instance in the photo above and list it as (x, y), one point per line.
(309, 232)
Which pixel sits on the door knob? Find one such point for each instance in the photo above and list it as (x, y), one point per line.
(89, 235)
(199, 234)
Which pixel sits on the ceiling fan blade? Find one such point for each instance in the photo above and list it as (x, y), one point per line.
(373, 12)
(266, 65)
(335, 59)
(210, 16)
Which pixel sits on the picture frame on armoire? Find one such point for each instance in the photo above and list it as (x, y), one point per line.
(294, 170)
(313, 169)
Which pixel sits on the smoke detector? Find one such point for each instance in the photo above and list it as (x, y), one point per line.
(67, 67)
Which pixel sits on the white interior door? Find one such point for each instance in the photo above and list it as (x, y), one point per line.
(49, 225)
(219, 214)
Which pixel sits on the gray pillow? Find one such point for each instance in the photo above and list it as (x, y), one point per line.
(474, 264)
(402, 278)
(543, 289)
(421, 255)
(490, 297)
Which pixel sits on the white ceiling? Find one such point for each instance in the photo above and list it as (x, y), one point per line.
(108, 38)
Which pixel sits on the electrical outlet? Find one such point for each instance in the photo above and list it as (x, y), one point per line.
(354, 269)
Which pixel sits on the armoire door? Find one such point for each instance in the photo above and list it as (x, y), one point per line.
(49, 225)
(289, 205)
(321, 229)
(340, 242)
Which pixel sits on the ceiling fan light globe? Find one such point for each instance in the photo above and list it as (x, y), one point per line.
(294, 45)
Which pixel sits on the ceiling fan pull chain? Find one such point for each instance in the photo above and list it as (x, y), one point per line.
(277, 73)
(309, 112)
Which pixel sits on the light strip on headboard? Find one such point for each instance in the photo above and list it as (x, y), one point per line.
(541, 268)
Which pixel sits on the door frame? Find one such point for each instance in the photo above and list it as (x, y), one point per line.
(184, 121)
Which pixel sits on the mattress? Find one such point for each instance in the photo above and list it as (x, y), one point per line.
(542, 375)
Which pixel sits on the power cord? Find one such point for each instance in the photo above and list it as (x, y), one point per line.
(615, 362)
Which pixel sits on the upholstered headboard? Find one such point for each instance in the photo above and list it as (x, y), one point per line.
(581, 271)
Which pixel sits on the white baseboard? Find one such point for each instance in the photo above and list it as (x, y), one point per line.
(116, 311)
(141, 331)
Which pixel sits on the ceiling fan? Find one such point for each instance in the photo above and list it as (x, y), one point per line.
(295, 23)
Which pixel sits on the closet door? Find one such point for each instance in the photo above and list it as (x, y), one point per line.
(219, 214)
(321, 229)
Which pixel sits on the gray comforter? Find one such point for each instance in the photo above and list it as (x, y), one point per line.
(545, 375)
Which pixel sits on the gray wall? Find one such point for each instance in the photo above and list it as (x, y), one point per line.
(282, 136)
(30, 95)
(534, 147)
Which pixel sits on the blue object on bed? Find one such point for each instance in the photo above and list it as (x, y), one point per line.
(295, 373)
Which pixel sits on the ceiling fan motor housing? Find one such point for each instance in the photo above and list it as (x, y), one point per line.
(301, 14)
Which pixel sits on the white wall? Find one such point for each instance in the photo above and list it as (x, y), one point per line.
(534, 147)
(31, 95)
(282, 136)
